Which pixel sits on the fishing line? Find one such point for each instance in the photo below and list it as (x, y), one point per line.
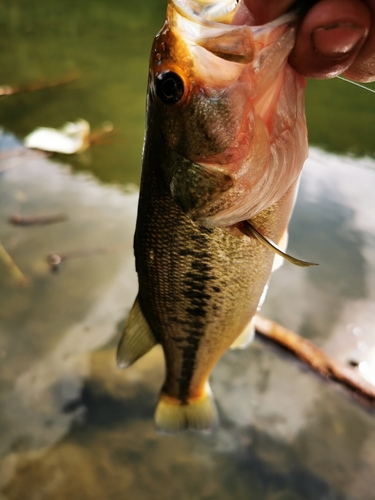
(355, 83)
(366, 167)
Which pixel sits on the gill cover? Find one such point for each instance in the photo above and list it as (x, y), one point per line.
(232, 126)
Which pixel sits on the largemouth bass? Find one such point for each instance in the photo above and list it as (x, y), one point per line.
(224, 147)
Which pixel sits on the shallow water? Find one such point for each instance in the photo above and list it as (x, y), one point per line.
(73, 425)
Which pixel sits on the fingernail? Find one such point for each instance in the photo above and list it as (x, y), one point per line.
(337, 40)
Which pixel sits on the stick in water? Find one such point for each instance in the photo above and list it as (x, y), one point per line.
(37, 85)
(18, 277)
(316, 359)
(36, 220)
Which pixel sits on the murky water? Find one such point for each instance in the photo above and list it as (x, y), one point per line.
(71, 424)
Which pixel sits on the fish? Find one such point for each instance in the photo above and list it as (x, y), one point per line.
(225, 144)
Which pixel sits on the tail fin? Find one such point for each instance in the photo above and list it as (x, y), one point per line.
(137, 338)
(173, 416)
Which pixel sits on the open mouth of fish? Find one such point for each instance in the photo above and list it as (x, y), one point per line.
(245, 67)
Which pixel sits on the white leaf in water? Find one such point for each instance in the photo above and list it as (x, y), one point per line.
(73, 137)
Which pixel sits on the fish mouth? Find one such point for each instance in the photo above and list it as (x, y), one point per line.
(193, 185)
(218, 13)
(262, 154)
(206, 11)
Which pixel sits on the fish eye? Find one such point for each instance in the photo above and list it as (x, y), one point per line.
(169, 87)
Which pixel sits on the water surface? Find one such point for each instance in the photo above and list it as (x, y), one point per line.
(73, 425)
(108, 44)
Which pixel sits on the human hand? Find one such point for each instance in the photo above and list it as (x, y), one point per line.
(334, 36)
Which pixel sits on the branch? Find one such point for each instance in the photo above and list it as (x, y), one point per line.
(320, 362)
(36, 220)
(37, 85)
(17, 276)
(17, 157)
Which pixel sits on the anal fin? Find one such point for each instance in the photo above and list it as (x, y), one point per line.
(137, 338)
(245, 338)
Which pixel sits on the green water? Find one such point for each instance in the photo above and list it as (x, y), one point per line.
(341, 117)
(108, 43)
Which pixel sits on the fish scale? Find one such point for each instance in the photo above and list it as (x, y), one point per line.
(206, 285)
(225, 144)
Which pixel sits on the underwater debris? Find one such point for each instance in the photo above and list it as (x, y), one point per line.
(55, 259)
(72, 137)
(16, 274)
(41, 84)
(36, 220)
(315, 358)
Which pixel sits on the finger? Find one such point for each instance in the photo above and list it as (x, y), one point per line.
(363, 68)
(330, 37)
(263, 11)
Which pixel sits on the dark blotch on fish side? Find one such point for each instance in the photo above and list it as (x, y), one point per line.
(197, 293)
(196, 289)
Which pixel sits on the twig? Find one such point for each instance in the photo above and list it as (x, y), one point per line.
(37, 85)
(316, 359)
(19, 156)
(55, 259)
(18, 277)
(104, 132)
(36, 220)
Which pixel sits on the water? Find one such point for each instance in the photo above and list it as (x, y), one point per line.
(108, 44)
(71, 424)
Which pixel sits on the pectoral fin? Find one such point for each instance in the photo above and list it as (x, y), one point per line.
(193, 186)
(250, 230)
(137, 338)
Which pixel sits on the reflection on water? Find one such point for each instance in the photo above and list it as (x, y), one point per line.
(108, 44)
(73, 425)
